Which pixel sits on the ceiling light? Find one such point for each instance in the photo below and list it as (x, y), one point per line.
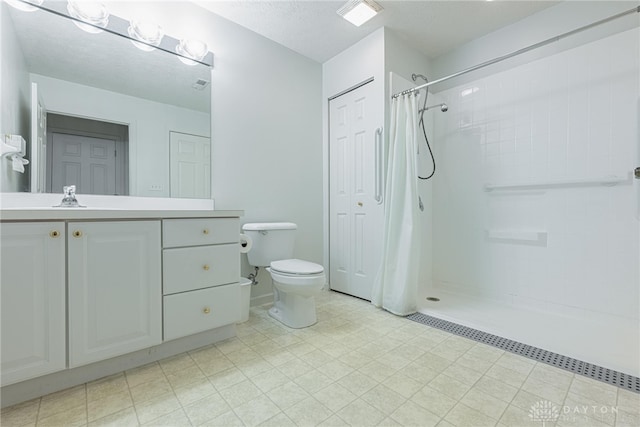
(148, 33)
(193, 49)
(359, 11)
(25, 5)
(93, 13)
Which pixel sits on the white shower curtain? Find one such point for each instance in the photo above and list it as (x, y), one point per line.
(396, 286)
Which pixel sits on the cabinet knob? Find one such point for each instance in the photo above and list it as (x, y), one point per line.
(360, 204)
(54, 233)
(205, 231)
(206, 310)
(77, 233)
(206, 267)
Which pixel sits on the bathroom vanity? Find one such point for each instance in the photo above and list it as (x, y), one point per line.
(91, 292)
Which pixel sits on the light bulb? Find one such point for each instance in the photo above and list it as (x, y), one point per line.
(194, 49)
(93, 13)
(147, 32)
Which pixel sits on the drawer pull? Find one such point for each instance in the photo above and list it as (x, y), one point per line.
(206, 310)
(206, 267)
(77, 233)
(54, 233)
(205, 231)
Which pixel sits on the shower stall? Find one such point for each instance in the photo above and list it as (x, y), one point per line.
(535, 209)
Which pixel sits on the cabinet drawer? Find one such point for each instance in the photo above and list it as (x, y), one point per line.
(201, 231)
(186, 269)
(196, 311)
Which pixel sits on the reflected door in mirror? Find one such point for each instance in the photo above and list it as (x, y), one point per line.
(86, 162)
(190, 168)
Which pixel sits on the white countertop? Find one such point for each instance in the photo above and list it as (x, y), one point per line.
(48, 214)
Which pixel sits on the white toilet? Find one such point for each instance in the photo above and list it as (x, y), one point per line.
(295, 281)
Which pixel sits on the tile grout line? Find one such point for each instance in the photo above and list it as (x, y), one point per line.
(598, 373)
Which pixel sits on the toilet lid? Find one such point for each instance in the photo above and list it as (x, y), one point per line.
(296, 266)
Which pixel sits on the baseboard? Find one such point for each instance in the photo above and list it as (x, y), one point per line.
(31, 389)
(262, 300)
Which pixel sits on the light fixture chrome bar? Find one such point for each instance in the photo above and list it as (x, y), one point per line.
(520, 51)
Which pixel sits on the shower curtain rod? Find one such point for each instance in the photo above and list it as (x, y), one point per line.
(519, 51)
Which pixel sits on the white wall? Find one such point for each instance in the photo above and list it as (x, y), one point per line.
(266, 129)
(572, 115)
(15, 94)
(149, 126)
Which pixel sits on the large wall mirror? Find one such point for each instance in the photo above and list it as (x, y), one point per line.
(108, 117)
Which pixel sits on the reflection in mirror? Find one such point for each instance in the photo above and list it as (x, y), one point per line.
(126, 117)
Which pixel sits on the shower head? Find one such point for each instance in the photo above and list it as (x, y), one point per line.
(414, 77)
(443, 107)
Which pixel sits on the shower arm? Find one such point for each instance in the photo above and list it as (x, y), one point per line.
(519, 51)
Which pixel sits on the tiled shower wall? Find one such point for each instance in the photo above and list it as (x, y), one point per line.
(556, 246)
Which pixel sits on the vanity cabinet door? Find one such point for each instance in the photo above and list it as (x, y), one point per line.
(32, 287)
(115, 292)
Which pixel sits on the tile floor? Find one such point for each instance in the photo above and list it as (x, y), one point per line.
(357, 366)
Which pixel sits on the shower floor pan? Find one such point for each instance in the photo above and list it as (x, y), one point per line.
(570, 364)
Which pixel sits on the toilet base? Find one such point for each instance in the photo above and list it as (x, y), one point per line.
(294, 311)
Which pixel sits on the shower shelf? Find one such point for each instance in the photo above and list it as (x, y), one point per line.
(609, 180)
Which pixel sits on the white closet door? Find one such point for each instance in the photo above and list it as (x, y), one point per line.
(355, 224)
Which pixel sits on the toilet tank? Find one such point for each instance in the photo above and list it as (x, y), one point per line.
(272, 241)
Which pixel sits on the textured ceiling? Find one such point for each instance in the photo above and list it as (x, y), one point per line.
(313, 29)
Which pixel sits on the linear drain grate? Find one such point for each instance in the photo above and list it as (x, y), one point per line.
(570, 364)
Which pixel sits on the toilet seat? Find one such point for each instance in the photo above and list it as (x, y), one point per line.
(296, 267)
(298, 276)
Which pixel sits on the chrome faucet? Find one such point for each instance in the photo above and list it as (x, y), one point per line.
(69, 200)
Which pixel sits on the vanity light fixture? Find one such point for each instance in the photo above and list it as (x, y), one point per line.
(25, 5)
(359, 11)
(92, 12)
(194, 49)
(149, 33)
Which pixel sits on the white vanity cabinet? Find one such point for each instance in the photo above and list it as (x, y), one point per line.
(201, 268)
(115, 296)
(82, 291)
(32, 284)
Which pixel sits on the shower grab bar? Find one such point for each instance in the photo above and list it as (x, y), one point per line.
(378, 165)
(609, 180)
